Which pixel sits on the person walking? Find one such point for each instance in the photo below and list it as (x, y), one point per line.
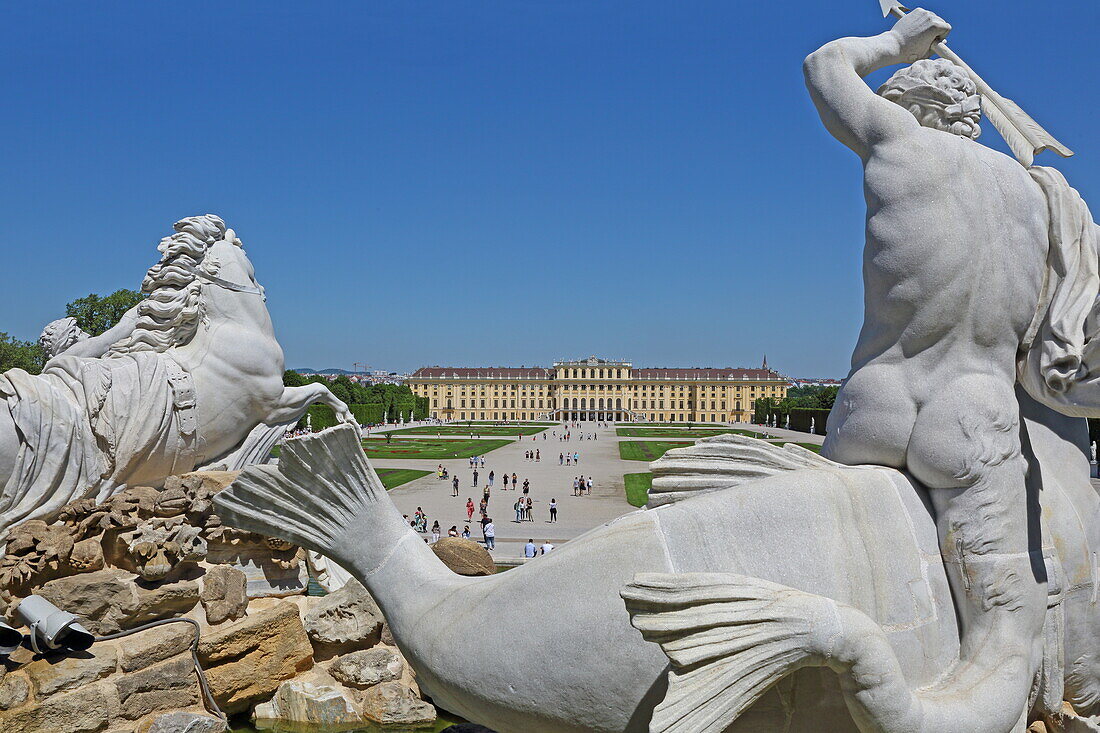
(469, 508)
(505, 482)
(576, 483)
(492, 475)
(485, 496)
(561, 459)
(526, 487)
(576, 458)
(475, 477)
(538, 455)
(553, 510)
(530, 518)
(589, 485)
(518, 506)
(435, 531)
(490, 533)
(454, 486)
(514, 481)
(529, 549)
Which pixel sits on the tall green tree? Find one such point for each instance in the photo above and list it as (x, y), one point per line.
(20, 354)
(96, 314)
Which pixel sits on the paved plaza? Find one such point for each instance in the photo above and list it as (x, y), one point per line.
(599, 458)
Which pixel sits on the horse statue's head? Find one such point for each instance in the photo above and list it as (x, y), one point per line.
(201, 272)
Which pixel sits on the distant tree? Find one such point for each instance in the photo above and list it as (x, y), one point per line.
(96, 314)
(292, 378)
(16, 354)
(341, 392)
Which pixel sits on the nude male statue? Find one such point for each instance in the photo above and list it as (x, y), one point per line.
(953, 269)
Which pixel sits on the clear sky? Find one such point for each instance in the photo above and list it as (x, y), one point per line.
(476, 183)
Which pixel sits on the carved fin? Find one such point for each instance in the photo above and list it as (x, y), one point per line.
(724, 461)
(311, 497)
(728, 638)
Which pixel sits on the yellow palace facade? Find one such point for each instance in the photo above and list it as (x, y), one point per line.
(595, 389)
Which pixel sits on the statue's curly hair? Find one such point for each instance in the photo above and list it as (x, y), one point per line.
(173, 310)
(927, 88)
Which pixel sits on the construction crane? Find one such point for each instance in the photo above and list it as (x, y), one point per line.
(360, 367)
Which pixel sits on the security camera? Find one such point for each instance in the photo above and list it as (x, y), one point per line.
(10, 639)
(52, 628)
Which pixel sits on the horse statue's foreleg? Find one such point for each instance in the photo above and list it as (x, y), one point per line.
(731, 637)
(294, 401)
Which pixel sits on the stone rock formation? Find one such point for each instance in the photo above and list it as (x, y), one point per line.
(464, 557)
(148, 554)
(346, 617)
(368, 667)
(246, 660)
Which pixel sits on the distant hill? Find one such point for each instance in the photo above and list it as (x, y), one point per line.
(301, 370)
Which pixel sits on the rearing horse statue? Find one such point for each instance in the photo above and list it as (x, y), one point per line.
(191, 377)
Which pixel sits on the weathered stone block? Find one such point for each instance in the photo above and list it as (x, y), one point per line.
(179, 722)
(56, 674)
(368, 667)
(392, 703)
(348, 616)
(111, 600)
(155, 645)
(246, 660)
(464, 557)
(84, 710)
(163, 687)
(224, 594)
(15, 689)
(301, 701)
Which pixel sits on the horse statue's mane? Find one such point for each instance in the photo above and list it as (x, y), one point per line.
(171, 313)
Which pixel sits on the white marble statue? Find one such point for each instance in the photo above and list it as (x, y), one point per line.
(977, 270)
(789, 592)
(934, 570)
(190, 377)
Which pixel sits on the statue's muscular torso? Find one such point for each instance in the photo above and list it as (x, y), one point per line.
(953, 268)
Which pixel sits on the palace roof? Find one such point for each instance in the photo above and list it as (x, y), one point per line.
(482, 373)
(635, 373)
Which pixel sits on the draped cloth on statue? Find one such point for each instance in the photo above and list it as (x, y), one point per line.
(1059, 362)
(90, 427)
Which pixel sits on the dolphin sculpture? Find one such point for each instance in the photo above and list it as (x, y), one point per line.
(782, 591)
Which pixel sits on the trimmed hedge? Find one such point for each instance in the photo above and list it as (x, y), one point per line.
(323, 416)
(800, 419)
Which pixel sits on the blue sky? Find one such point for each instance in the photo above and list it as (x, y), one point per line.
(471, 183)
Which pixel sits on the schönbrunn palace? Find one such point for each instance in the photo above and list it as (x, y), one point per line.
(595, 389)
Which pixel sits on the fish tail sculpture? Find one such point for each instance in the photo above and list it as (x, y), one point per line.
(730, 637)
(324, 495)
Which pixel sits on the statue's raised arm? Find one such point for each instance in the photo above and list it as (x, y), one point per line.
(851, 111)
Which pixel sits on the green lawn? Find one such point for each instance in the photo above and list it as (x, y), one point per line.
(680, 432)
(472, 431)
(393, 477)
(648, 450)
(433, 449)
(637, 488)
(507, 424)
(426, 448)
(665, 424)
